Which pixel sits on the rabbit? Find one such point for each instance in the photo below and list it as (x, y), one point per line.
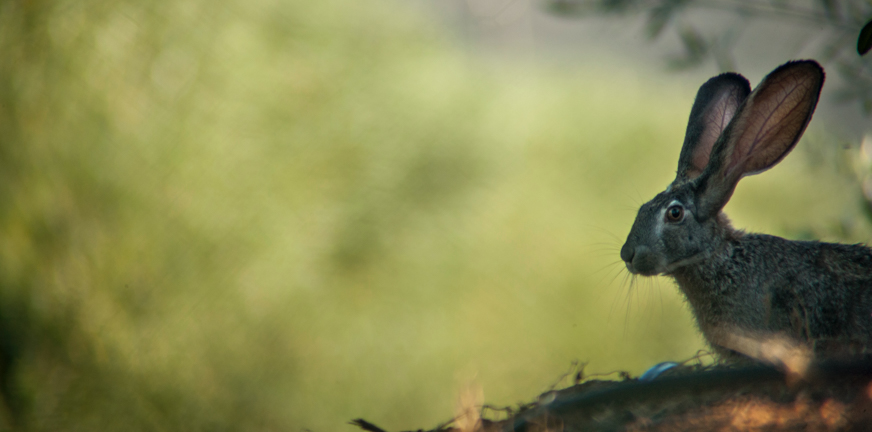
(816, 294)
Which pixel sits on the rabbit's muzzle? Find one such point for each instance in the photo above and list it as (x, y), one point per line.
(642, 260)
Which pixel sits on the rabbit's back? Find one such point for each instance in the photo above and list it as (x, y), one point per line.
(834, 292)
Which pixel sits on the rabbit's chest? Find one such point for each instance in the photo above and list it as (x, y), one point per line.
(729, 296)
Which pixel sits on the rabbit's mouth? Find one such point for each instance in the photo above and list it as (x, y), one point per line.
(642, 260)
(636, 271)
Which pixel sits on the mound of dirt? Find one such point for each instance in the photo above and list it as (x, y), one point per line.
(829, 396)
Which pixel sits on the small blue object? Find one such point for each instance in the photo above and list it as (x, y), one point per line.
(656, 370)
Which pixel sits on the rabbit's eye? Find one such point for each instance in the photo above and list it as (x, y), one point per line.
(675, 213)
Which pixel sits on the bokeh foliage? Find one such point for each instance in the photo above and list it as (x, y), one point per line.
(282, 215)
(840, 29)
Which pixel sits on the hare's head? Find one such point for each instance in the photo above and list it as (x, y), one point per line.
(731, 134)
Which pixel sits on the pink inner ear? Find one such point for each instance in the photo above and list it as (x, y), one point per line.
(780, 111)
(719, 115)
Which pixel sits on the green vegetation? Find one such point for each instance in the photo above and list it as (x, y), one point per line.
(276, 216)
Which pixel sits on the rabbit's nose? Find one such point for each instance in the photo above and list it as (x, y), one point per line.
(627, 252)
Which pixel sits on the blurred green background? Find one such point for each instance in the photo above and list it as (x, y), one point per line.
(262, 215)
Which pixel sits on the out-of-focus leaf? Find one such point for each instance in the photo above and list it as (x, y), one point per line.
(582, 7)
(844, 95)
(833, 47)
(864, 42)
(695, 48)
(724, 58)
(660, 15)
(566, 7)
(657, 20)
(618, 5)
(831, 8)
(721, 49)
(856, 86)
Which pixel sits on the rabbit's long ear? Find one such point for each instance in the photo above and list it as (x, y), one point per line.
(767, 127)
(716, 103)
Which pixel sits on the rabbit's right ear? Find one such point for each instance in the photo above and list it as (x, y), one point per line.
(767, 127)
(717, 101)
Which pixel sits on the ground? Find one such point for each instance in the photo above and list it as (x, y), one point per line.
(829, 396)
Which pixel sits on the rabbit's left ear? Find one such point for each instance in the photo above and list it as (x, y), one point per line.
(767, 127)
(717, 102)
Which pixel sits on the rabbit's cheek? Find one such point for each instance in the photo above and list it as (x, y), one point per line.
(673, 247)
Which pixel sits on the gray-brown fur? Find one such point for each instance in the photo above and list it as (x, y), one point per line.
(819, 293)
